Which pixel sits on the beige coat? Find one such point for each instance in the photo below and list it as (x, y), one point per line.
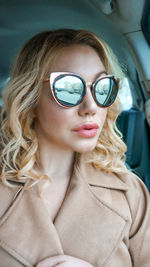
(104, 220)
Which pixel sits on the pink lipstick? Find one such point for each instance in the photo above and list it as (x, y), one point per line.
(87, 129)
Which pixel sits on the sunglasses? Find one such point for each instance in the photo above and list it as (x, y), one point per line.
(69, 89)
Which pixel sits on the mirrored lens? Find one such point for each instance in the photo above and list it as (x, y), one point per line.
(105, 91)
(68, 90)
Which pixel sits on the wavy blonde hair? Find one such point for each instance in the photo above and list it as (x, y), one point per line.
(18, 141)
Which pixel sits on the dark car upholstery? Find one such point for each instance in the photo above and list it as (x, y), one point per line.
(132, 123)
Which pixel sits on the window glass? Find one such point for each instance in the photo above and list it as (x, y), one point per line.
(2, 86)
(125, 96)
(145, 22)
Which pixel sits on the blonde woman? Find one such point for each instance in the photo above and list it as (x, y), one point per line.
(66, 197)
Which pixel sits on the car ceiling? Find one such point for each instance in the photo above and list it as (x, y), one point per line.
(21, 19)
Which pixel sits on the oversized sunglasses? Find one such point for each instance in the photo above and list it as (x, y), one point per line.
(69, 89)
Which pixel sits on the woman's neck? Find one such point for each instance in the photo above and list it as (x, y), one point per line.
(54, 162)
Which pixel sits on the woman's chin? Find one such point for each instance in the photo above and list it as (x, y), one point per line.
(85, 148)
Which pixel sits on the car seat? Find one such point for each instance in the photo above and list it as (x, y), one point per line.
(132, 123)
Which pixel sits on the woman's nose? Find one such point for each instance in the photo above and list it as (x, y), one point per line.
(88, 105)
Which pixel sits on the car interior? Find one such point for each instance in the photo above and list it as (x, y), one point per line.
(124, 25)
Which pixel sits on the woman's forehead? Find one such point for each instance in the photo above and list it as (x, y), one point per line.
(79, 59)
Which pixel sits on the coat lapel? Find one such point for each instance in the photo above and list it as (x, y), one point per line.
(89, 228)
(26, 231)
(85, 226)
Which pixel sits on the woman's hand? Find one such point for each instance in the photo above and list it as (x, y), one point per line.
(63, 261)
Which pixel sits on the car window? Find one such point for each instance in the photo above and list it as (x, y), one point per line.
(125, 95)
(2, 86)
(145, 23)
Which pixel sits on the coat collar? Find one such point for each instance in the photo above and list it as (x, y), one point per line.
(93, 176)
(96, 177)
(79, 229)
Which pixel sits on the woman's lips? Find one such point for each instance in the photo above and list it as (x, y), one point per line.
(87, 130)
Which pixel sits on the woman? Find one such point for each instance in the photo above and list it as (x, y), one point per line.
(67, 198)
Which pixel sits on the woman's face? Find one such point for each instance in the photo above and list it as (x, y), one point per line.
(76, 128)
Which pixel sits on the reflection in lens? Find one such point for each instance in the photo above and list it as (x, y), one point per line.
(105, 91)
(68, 90)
